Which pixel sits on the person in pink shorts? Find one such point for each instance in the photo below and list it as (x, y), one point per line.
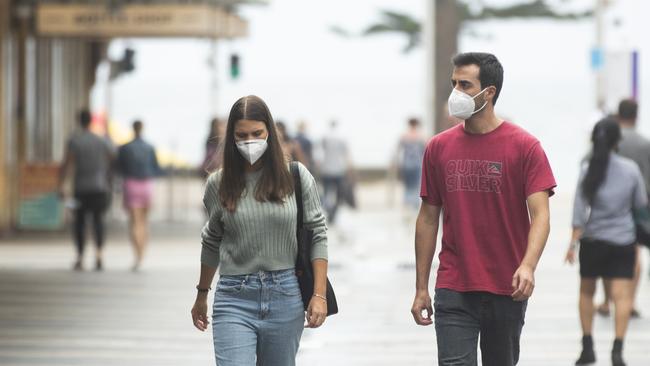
(138, 164)
(137, 193)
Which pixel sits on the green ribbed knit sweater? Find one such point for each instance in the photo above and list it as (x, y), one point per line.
(259, 236)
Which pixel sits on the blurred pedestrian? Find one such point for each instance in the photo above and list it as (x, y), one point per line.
(488, 176)
(334, 169)
(410, 152)
(292, 150)
(609, 189)
(306, 146)
(251, 237)
(636, 147)
(91, 157)
(138, 165)
(448, 121)
(213, 147)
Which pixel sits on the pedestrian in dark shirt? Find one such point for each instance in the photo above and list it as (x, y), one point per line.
(91, 156)
(138, 165)
(306, 145)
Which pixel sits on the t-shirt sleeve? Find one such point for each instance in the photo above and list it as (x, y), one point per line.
(537, 172)
(429, 190)
(580, 205)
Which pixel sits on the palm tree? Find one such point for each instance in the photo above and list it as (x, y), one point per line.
(452, 17)
(394, 22)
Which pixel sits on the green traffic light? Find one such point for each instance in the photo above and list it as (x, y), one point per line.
(234, 66)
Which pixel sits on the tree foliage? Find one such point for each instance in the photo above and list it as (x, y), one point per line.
(469, 11)
(395, 22)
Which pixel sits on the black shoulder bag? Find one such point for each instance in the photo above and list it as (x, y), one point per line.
(304, 269)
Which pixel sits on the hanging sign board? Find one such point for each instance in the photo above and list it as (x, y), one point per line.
(138, 20)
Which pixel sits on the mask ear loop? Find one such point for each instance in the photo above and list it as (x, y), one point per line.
(484, 104)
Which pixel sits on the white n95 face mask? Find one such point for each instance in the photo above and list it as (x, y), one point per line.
(461, 105)
(252, 150)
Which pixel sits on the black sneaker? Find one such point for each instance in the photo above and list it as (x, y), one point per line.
(99, 266)
(617, 353)
(587, 357)
(617, 359)
(78, 266)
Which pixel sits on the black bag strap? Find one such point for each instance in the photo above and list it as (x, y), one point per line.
(295, 171)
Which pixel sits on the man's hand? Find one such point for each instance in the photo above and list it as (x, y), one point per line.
(523, 283)
(422, 303)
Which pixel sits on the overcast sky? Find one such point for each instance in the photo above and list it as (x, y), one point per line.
(304, 71)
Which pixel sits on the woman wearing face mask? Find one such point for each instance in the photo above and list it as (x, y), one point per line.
(610, 188)
(250, 236)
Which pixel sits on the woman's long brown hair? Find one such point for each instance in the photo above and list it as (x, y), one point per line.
(276, 182)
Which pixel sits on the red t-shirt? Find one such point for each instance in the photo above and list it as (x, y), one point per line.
(482, 182)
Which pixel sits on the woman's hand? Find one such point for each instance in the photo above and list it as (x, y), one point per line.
(200, 313)
(316, 312)
(570, 254)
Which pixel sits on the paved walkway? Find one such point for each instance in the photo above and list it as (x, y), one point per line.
(50, 315)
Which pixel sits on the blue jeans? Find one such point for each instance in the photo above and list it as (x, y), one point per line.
(412, 178)
(257, 319)
(461, 316)
(332, 194)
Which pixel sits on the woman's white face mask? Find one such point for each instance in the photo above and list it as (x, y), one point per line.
(461, 105)
(252, 150)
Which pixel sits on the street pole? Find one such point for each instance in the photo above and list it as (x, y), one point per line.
(109, 102)
(429, 41)
(5, 216)
(214, 85)
(600, 47)
(23, 13)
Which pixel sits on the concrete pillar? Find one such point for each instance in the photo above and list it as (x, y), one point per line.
(5, 207)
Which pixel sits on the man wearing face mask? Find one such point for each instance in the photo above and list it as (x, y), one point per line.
(487, 176)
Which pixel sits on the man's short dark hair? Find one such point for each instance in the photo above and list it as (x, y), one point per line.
(84, 118)
(137, 126)
(627, 109)
(490, 70)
